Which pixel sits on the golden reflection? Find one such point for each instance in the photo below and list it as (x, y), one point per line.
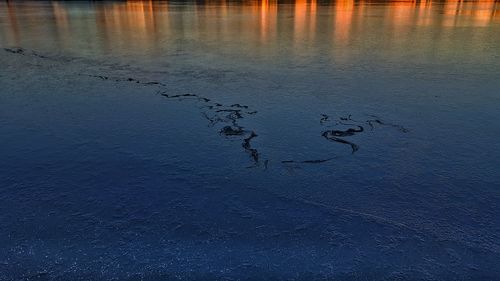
(299, 20)
(305, 13)
(424, 13)
(268, 18)
(151, 24)
(344, 10)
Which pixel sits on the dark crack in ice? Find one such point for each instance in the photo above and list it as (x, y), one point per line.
(228, 117)
(339, 136)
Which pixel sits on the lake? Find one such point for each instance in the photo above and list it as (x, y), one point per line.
(249, 140)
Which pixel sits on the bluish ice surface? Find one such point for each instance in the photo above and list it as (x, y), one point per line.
(115, 165)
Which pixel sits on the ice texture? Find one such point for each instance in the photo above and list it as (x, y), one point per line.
(201, 152)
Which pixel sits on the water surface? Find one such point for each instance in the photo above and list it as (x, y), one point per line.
(362, 140)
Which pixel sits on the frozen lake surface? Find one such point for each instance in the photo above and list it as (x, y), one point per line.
(222, 140)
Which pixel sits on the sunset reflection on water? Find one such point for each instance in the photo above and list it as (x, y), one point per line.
(144, 25)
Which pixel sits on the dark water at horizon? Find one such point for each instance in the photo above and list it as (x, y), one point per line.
(235, 140)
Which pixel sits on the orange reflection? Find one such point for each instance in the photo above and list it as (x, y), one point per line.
(139, 25)
(463, 13)
(344, 10)
(129, 23)
(268, 18)
(305, 13)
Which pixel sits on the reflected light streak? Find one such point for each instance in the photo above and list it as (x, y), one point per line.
(344, 10)
(143, 24)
